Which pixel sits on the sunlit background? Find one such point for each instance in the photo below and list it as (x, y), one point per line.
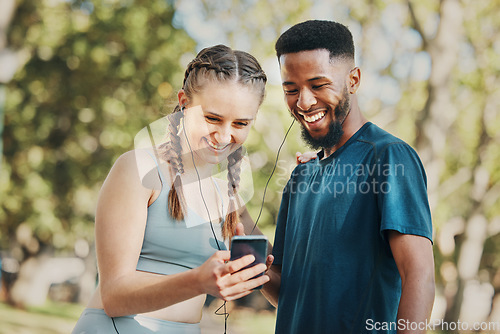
(79, 79)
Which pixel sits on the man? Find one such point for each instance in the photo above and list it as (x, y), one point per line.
(353, 245)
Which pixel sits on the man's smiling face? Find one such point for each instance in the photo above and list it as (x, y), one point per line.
(316, 94)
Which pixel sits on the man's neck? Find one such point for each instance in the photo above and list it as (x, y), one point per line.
(354, 121)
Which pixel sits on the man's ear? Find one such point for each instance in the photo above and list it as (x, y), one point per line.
(182, 97)
(354, 80)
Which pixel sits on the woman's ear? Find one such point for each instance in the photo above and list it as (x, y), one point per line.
(182, 97)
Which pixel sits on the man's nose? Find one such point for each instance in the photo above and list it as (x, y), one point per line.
(306, 100)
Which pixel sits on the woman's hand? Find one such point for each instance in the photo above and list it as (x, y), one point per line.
(226, 280)
(240, 230)
(305, 157)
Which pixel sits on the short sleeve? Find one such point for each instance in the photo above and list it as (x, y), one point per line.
(401, 188)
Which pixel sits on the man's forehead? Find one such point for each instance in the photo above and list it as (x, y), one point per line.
(316, 55)
(311, 65)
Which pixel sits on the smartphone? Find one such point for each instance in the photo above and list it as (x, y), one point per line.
(242, 245)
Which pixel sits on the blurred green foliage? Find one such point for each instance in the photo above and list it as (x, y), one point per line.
(97, 72)
(430, 75)
(95, 75)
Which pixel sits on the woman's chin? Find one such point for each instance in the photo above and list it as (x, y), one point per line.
(214, 158)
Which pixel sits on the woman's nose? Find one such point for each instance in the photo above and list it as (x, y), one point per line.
(223, 135)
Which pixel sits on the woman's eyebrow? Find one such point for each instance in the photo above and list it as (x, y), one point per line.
(217, 115)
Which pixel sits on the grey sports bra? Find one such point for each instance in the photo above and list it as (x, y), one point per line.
(169, 246)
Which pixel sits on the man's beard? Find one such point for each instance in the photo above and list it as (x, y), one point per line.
(335, 130)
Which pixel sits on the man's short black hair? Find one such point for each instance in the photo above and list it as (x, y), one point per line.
(316, 34)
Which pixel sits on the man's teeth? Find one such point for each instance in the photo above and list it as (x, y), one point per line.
(315, 117)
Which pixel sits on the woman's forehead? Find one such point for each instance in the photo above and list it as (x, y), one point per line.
(228, 99)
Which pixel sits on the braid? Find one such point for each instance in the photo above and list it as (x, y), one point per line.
(250, 72)
(258, 76)
(216, 64)
(176, 201)
(233, 177)
(199, 64)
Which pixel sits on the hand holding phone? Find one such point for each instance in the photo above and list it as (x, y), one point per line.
(250, 244)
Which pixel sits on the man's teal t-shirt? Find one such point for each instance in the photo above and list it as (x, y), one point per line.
(337, 270)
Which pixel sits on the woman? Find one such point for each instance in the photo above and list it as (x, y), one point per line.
(161, 217)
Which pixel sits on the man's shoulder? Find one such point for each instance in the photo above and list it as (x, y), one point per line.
(378, 136)
(381, 140)
(304, 168)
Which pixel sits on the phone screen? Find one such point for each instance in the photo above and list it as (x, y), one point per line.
(252, 244)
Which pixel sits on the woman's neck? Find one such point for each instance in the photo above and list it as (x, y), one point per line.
(195, 166)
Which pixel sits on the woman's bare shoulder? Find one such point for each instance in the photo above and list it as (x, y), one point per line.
(135, 168)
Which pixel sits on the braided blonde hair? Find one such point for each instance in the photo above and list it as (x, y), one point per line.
(214, 64)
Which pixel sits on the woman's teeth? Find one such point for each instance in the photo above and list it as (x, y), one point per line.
(216, 147)
(313, 118)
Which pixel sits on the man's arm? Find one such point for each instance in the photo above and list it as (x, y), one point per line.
(271, 289)
(415, 261)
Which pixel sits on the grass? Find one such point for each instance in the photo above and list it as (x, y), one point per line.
(60, 318)
(241, 320)
(250, 322)
(52, 318)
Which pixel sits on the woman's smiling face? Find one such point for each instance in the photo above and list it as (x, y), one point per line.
(217, 119)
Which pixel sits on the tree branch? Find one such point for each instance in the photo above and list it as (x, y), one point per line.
(416, 25)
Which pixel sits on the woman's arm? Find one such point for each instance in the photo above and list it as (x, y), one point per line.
(305, 157)
(120, 224)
